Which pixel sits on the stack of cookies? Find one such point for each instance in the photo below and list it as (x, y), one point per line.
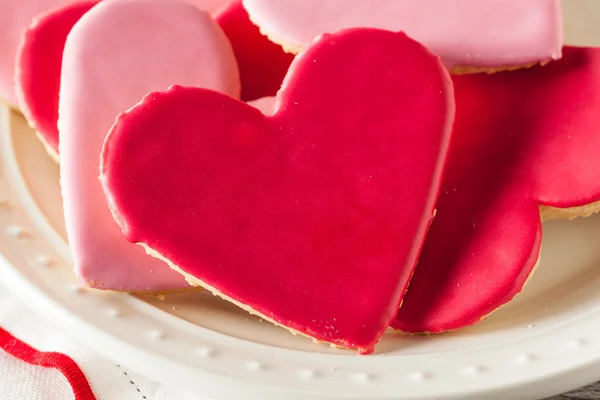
(335, 168)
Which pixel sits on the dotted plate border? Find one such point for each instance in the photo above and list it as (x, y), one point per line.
(167, 349)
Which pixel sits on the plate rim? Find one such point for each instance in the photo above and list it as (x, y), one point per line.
(255, 380)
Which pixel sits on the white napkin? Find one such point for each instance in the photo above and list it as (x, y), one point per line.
(21, 381)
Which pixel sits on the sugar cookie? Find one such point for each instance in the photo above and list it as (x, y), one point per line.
(522, 139)
(14, 18)
(116, 54)
(39, 58)
(37, 69)
(262, 63)
(469, 35)
(291, 215)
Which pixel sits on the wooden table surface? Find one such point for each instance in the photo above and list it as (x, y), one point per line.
(591, 392)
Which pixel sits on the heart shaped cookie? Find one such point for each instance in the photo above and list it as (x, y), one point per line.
(15, 16)
(469, 35)
(39, 59)
(212, 6)
(262, 63)
(38, 65)
(292, 215)
(117, 53)
(522, 139)
(265, 104)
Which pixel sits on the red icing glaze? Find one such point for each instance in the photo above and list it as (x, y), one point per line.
(521, 139)
(262, 63)
(38, 67)
(312, 217)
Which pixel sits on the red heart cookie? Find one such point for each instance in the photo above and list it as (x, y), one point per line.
(292, 215)
(521, 139)
(38, 66)
(262, 63)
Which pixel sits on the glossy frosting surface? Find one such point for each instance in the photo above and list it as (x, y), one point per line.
(465, 33)
(296, 215)
(522, 139)
(116, 54)
(38, 66)
(17, 15)
(262, 63)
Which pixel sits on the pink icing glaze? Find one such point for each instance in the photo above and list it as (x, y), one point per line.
(296, 213)
(17, 15)
(264, 104)
(212, 6)
(471, 33)
(117, 53)
(262, 63)
(521, 139)
(38, 65)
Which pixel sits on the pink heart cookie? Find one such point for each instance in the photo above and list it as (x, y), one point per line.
(471, 34)
(15, 16)
(212, 6)
(117, 53)
(293, 214)
(265, 104)
(38, 63)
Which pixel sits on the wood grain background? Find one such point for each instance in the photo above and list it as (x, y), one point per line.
(591, 392)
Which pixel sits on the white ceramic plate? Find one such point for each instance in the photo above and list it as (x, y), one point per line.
(545, 342)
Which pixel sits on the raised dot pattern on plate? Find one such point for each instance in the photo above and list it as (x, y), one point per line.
(4, 206)
(576, 343)
(18, 232)
(41, 253)
(45, 261)
(307, 374)
(157, 335)
(474, 370)
(206, 352)
(419, 377)
(77, 289)
(255, 366)
(526, 359)
(22, 234)
(362, 377)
